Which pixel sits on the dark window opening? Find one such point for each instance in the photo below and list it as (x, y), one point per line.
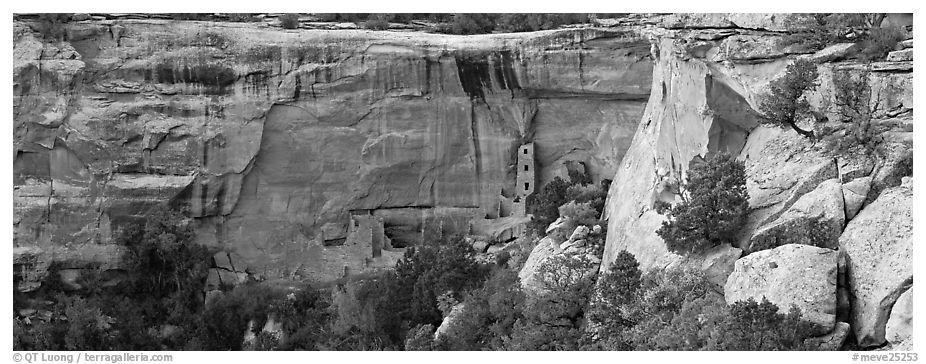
(525, 168)
(525, 150)
(527, 185)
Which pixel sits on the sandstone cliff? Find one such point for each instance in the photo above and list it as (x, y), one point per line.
(272, 137)
(709, 72)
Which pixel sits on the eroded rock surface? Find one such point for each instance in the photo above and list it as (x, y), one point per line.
(899, 326)
(790, 275)
(816, 219)
(271, 138)
(878, 245)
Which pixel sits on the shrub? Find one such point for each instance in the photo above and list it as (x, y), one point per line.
(593, 194)
(749, 325)
(487, 320)
(785, 101)
(528, 22)
(226, 319)
(616, 290)
(242, 17)
(376, 24)
(420, 338)
(469, 23)
(713, 208)
(368, 315)
(190, 16)
(304, 317)
(816, 31)
(879, 42)
(553, 319)
(378, 313)
(854, 105)
(289, 21)
(575, 214)
(544, 205)
(166, 259)
(662, 295)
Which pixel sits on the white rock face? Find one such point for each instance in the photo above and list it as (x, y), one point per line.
(878, 244)
(694, 108)
(794, 274)
(816, 219)
(272, 137)
(528, 274)
(448, 320)
(899, 326)
(854, 194)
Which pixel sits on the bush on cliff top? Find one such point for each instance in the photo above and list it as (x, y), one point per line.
(289, 21)
(856, 106)
(713, 207)
(785, 101)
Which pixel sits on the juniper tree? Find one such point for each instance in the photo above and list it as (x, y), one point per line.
(713, 207)
(785, 101)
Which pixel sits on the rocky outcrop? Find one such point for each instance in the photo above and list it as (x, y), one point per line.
(816, 219)
(529, 273)
(695, 108)
(266, 136)
(449, 320)
(878, 245)
(854, 194)
(577, 248)
(792, 275)
(710, 73)
(899, 327)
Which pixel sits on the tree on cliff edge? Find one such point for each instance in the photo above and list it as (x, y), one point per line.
(785, 101)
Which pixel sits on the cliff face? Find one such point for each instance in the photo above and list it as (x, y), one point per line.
(272, 137)
(709, 73)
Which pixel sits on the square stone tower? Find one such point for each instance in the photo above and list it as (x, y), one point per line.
(526, 183)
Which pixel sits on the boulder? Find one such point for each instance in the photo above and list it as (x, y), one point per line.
(899, 327)
(573, 250)
(448, 320)
(816, 219)
(906, 44)
(559, 222)
(829, 342)
(834, 52)
(800, 275)
(878, 244)
(545, 249)
(581, 232)
(896, 163)
(854, 194)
